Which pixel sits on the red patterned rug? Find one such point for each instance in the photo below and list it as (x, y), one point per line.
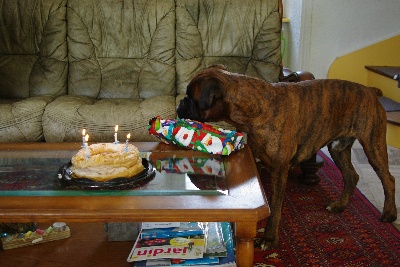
(310, 235)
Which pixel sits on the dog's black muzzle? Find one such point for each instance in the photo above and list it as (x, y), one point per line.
(188, 109)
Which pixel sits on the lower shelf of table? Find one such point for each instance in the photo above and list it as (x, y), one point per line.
(88, 246)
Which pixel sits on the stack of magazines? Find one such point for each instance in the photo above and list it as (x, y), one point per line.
(184, 244)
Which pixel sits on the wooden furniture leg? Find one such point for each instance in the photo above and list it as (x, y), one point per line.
(245, 232)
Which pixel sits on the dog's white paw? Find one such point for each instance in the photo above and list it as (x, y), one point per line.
(267, 243)
(329, 208)
(336, 207)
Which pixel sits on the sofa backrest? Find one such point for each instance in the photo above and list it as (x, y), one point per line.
(132, 49)
(244, 37)
(33, 48)
(121, 49)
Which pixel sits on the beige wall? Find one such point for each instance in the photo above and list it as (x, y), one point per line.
(323, 30)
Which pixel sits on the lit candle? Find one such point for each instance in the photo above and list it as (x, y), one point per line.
(126, 143)
(86, 145)
(115, 135)
(83, 137)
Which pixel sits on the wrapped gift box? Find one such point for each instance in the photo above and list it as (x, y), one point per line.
(196, 135)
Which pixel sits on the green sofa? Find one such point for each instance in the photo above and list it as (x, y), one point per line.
(66, 65)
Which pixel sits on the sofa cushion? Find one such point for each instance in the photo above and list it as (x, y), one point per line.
(21, 120)
(33, 48)
(245, 38)
(121, 49)
(65, 117)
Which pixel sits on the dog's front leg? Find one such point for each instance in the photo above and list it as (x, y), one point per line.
(278, 186)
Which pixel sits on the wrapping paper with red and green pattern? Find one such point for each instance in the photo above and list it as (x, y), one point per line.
(196, 135)
(193, 165)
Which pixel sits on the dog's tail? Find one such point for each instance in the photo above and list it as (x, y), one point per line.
(377, 91)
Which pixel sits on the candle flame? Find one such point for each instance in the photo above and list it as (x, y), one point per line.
(128, 136)
(116, 128)
(83, 132)
(86, 137)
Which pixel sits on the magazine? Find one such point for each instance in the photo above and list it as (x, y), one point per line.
(215, 240)
(184, 230)
(150, 225)
(194, 262)
(169, 240)
(180, 248)
(228, 260)
(153, 263)
(185, 242)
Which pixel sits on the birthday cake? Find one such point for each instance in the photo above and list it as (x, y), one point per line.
(105, 161)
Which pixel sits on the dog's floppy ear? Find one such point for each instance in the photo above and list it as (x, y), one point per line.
(210, 90)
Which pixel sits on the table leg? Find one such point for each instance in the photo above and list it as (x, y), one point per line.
(245, 232)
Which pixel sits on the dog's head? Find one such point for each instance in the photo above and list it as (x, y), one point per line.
(204, 96)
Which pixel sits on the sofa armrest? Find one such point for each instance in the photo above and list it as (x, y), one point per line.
(288, 76)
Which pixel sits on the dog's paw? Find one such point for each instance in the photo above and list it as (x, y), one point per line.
(389, 216)
(336, 207)
(268, 243)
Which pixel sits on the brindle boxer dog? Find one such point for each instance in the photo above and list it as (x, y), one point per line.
(287, 123)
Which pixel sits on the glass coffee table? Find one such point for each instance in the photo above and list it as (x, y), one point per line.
(179, 185)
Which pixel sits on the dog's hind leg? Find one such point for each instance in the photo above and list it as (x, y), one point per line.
(376, 152)
(340, 151)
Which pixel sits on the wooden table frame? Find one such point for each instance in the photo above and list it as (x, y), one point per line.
(245, 204)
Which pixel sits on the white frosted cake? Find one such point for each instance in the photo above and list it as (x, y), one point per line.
(105, 161)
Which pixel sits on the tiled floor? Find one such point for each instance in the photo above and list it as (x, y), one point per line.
(369, 183)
